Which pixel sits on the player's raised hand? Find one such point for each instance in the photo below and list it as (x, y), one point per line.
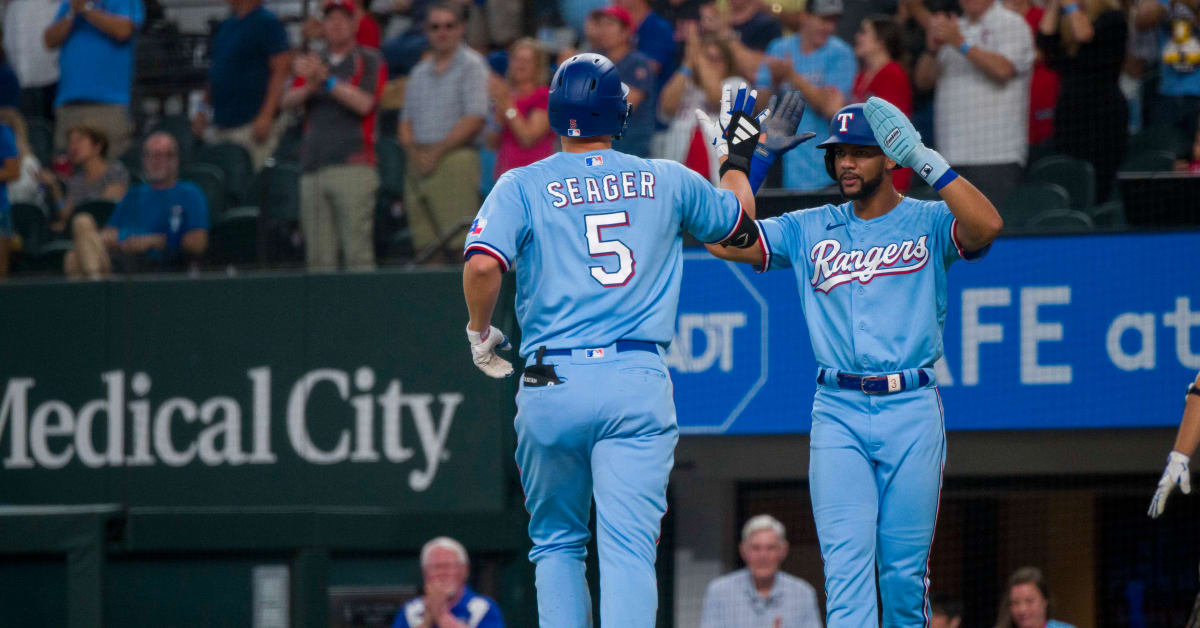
(714, 131)
(1176, 474)
(901, 142)
(483, 352)
(780, 127)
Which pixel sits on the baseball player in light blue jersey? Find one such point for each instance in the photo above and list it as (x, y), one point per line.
(595, 239)
(872, 279)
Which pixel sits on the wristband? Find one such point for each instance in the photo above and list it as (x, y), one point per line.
(759, 165)
(944, 180)
(1070, 8)
(964, 48)
(329, 83)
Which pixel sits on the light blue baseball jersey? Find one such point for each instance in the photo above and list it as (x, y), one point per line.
(596, 239)
(873, 291)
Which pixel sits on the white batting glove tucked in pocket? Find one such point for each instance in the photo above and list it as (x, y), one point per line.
(1175, 475)
(483, 352)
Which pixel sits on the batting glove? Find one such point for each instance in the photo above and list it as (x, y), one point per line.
(483, 352)
(780, 129)
(1176, 474)
(901, 142)
(714, 132)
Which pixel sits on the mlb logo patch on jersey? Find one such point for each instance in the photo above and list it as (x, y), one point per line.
(573, 129)
(477, 227)
(598, 160)
(594, 353)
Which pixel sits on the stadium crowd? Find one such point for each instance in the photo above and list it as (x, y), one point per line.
(372, 132)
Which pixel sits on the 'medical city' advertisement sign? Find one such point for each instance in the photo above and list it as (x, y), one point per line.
(1046, 332)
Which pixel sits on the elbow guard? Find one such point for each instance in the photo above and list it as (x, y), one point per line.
(744, 235)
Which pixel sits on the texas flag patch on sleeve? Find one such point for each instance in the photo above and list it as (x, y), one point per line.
(477, 227)
(597, 160)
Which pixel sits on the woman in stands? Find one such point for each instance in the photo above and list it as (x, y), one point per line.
(708, 64)
(879, 46)
(522, 132)
(1084, 40)
(1026, 603)
(95, 177)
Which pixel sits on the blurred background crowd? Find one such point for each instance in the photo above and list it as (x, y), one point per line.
(147, 135)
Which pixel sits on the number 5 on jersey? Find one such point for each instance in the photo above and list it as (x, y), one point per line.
(597, 247)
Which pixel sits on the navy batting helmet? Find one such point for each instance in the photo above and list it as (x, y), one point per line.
(587, 98)
(848, 126)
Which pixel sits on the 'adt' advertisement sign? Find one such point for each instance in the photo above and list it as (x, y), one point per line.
(1063, 332)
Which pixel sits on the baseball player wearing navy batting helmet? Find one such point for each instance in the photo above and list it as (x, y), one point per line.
(872, 279)
(594, 236)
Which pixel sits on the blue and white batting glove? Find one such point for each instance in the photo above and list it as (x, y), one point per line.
(714, 132)
(1175, 475)
(483, 352)
(901, 142)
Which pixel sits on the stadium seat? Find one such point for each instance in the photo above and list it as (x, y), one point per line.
(391, 162)
(48, 258)
(1148, 160)
(181, 129)
(211, 180)
(31, 223)
(233, 238)
(1160, 137)
(1031, 199)
(1076, 176)
(235, 162)
(278, 190)
(41, 139)
(1061, 220)
(100, 210)
(1110, 214)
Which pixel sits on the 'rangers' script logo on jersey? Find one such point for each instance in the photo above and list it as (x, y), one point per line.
(833, 267)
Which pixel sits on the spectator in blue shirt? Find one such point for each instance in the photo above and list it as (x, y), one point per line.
(610, 31)
(822, 67)
(95, 67)
(10, 170)
(655, 37)
(251, 60)
(448, 602)
(1178, 102)
(160, 225)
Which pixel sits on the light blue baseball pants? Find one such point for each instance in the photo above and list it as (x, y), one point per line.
(607, 432)
(875, 477)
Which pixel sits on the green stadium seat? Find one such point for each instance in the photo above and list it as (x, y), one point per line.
(233, 238)
(278, 191)
(1148, 160)
(1110, 214)
(41, 139)
(1076, 176)
(1160, 137)
(1061, 220)
(235, 162)
(1031, 199)
(211, 180)
(391, 163)
(32, 224)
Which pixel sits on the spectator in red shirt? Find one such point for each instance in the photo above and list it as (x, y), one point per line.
(521, 105)
(1043, 85)
(366, 30)
(879, 45)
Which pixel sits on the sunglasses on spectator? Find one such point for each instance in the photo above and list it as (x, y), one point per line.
(441, 26)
